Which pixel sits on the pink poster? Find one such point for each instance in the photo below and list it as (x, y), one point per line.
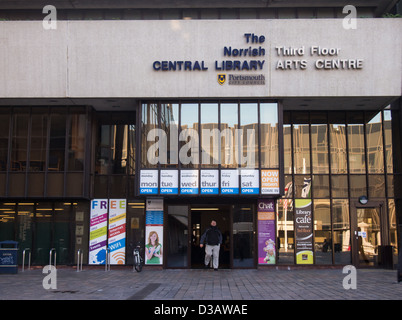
(266, 232)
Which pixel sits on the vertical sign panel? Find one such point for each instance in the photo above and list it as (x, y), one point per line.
(169, 183)
(303, 231)
(269, 181)
(98, 231)
(149, 182)
(250, 183)
(154, 231)
(230, 181)
(266, 232)
(189, 181)
(117, 231)
(209, 182)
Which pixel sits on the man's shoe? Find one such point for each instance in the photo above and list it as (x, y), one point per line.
(206, 266)
(215, 269)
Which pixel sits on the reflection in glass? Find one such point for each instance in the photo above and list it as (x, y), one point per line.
(178, 236)
(319, 148)
(388, 140)
(57, 141)
(4, 128)
(358, 186)
(376, 186)
(249, 135)
(19, 140)
(209, 135)
(243, 236)
(287, 148)
(301, 148)
(341, 229)
(321, 186)
(76, 142)
(357, 162)
(285, 231)
(322, 232)
(375, 156)
(229, 124)
(339, 186)
(269, 135)
(188, 137)
(37, 157)
(369, 235)
(338, 148)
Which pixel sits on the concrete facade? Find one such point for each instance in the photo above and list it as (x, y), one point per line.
(114, 59)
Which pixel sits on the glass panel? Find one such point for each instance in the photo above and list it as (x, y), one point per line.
(55, 184)
(249, 135)
(135, 227)
(393, 234)
(341, 228)
(118, 186)
(301, 148)
(269, 135)
(357, 162)
(357, 185)
(57, 142)
(369, 235)
(243, 236)
(338, 148)
(319, 143)
(287, 148)
(322, 232)
(209, 135)
(100, 186)
(170, 125)
(4, 132)
(148, 136)
(7, 219)
(25, 224)
(376, 186)
(339, 186)
(37, 157)
(74, 184)
(43, 234)
(16, 184)
(131, 150)
(388, 140)
(375, 156)
(19, 142)
(178, 236)
(302, 186)
(285, 231)
(188, 137)
(36, 184)
(76, 142)
(61, 237)
(229, 124)
(320, 186)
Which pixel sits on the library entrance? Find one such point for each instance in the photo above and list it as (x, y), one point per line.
(187, 222)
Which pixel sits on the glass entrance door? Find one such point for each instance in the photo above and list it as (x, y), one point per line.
(368, 235)
(178, 237)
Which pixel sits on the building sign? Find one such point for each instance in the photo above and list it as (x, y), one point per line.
(230, 181)
(154, 231)
(250, 57)
(303, 232)
(169, 183)
(209, 182)
(117, 231)
(149, 182)
(98, 231)
(266, 232)
(189, 181)
(250, 181)
(270, 181)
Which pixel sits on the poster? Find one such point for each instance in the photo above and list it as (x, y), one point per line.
(269, 181)
(169, 183)
(154, 232)
(117, 231)
(266, 232)
(98, 231)
(189, 181)
(303, 232)
(230, 181)
(250, 182)
(209, 182)
(148, 181)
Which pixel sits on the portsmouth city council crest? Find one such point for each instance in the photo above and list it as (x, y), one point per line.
(221, 78)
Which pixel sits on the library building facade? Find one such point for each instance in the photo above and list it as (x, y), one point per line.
(286, 132)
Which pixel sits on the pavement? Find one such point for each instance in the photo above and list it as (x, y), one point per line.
(194, 284)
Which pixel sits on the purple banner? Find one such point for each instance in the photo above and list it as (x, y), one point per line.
(266, 232)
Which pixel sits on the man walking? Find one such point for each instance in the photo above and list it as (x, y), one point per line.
(213, 238)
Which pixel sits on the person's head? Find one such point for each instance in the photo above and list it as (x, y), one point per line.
(213, 223)
(153, 238)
